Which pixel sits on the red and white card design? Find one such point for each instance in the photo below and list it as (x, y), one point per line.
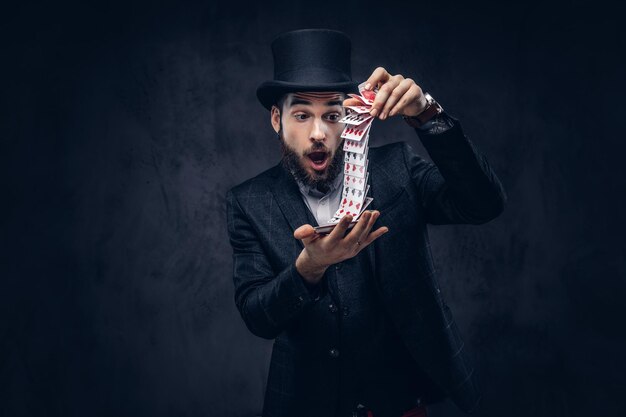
(354, 198)
(355, 157)
(356, 132)
(333, 222)
(355, 146)
(351, 202)
(355, 119)
(355, 170)
(359, 109)
(355, 182)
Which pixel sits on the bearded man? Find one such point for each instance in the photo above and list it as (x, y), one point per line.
(357, 315)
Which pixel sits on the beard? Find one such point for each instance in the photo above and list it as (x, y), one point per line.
(295, 163)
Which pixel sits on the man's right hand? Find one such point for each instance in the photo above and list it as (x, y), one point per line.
(321, 251)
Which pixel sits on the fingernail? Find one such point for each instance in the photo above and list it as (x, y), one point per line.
(368, 86)
(392, 113)
(374, 112)
(383, 116)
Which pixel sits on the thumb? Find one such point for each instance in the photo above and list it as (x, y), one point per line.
(303, 232)
(351, 102)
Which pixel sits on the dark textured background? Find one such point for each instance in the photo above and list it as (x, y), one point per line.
(124, 125)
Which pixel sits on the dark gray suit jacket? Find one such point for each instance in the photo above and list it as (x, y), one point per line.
(410, 193)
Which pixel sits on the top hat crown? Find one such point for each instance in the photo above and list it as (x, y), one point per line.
(308, 60)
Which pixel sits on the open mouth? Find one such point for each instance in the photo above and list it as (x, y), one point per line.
(319, 160)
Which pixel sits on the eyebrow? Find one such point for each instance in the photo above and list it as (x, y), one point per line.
(331, 103)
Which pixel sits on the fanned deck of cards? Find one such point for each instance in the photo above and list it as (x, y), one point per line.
(354, 199)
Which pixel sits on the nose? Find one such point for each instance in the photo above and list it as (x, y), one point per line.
(318, 133)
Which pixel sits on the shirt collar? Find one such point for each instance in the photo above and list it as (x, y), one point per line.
(314, 192)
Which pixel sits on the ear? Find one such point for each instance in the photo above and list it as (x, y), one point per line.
(275, 118)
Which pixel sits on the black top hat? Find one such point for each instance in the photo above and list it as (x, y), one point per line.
(308, 60)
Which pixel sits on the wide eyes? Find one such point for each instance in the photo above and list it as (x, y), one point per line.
(332, 117)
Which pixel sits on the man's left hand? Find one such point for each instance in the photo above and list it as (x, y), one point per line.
(396, 95)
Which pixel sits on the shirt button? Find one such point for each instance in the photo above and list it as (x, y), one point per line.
(346, 311)
(323, 203)
(333, 353)
(338, 266)
(333, 308)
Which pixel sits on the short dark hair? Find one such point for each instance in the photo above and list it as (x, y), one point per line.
(281, 100)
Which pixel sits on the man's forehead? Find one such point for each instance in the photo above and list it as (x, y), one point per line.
(326, 97)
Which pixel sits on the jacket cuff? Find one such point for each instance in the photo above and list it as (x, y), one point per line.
(451, 141)
(296, 294)
(313, 290)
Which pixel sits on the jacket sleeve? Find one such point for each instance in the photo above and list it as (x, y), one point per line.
(268, 302)
(460, 187)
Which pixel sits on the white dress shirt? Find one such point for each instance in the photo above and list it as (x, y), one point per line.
(323, 206)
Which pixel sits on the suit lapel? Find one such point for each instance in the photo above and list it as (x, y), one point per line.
(289, 199)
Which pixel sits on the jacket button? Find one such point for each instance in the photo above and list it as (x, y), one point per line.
(333, 353)
(333, 308)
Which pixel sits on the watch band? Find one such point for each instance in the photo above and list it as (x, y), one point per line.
(432, 109)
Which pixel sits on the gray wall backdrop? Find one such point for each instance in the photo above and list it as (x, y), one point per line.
(124, 125)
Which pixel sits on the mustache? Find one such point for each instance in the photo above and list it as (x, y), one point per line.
(317, 147)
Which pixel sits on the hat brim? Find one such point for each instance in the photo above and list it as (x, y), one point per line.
(270, 91)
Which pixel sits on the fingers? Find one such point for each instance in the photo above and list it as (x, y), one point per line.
(396, 95)
(400, 97)
(305, 233)
(351, 102)
(411, 104)
(380, 75)
(384, 92)
(374, 235)
(355, 233)
(368, 227)
(340, 230)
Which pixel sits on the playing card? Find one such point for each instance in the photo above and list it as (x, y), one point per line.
(359, 109)
(355, 157)
(327, 228)
(366, 203)
(364, 101)
(354, 198)
(355, 146)
(356, 132)
(351, 202)
(355, 118)
(355, 182)
(355, 170)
